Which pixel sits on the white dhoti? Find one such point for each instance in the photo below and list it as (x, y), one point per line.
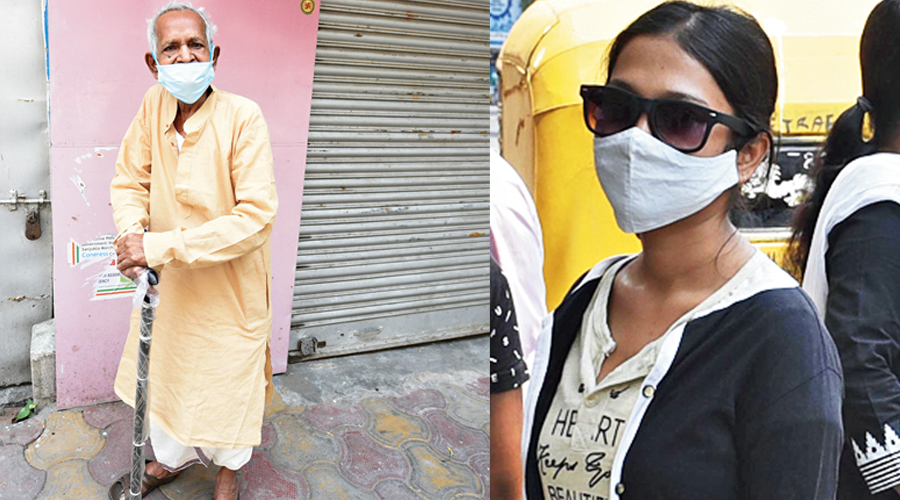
(175, 457)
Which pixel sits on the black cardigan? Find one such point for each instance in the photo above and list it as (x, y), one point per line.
(749, 408)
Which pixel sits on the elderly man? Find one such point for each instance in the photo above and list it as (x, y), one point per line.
(194, 198)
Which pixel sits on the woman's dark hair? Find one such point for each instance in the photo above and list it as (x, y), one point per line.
(729, 43)
(879, 58)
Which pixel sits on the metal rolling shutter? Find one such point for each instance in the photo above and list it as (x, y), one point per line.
(394, 237)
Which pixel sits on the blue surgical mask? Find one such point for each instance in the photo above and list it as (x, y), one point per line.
(187, 81)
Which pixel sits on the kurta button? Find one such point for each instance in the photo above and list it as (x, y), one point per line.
(620, 488)
(648, 391)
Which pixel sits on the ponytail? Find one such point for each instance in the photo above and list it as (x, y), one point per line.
(879, 61)
(844, 144)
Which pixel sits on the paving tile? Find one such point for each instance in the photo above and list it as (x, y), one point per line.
(326, 483)
(392, 427)
(102, 416)
(276, 406)
(467, 496)
(21, 433)
(298, 445)
(481, 387)
(194, 483)
(396, 490)
(466, 408)
(436, 478)
(263, 480)
(114, 459)
(70, 479)
(418, 400)
(66, 436)
(447, 434)
(18, 480)
(156, 494)
(328, 416)
(481, 464)
(365, 462)
(268, 436)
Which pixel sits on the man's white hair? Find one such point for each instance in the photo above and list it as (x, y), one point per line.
(152, 36)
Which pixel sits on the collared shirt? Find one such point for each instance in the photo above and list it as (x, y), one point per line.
(517, 244)
(209, 209)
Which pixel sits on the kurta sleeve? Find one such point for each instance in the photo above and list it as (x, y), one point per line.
(239, 232)
(130, 188)
(863, 316)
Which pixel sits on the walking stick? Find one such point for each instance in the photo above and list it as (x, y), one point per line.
(148, 298)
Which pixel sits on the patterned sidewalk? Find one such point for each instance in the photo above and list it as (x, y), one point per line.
(424, 438)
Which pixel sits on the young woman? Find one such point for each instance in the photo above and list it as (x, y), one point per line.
(847, 238)
(696, 369)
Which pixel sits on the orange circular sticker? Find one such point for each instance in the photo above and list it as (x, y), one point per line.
(308, 6)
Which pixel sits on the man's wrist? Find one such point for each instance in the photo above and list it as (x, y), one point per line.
(135, 228)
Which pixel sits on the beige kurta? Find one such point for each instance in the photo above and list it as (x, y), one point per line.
(210, 210)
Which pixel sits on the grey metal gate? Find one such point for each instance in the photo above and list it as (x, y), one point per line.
(394, 238)
(25, 264)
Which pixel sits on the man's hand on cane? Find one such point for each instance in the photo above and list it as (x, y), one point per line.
(130, 254)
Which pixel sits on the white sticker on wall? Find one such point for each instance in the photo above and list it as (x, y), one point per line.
(108, 283)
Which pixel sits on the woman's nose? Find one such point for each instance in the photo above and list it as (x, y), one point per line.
(643, 123)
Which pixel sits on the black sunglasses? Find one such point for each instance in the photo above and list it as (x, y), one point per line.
(683, 125)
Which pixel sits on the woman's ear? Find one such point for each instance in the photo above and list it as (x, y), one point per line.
(752, 154)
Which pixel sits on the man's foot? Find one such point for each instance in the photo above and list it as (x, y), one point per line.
(226, 485)
(158, 474)
(154, 476)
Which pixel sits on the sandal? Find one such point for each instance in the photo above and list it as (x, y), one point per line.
(120, 489)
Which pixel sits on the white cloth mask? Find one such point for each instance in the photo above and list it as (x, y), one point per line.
(651, 184)
(186, 81)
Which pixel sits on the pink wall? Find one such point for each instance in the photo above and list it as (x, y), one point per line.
(97, 80)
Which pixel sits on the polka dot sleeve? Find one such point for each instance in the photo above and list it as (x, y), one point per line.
(508, 369)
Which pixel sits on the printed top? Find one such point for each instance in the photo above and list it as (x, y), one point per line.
(586, 419)
(508, 370)
(743, 400)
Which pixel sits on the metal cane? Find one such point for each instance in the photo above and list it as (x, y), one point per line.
(146, 281)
